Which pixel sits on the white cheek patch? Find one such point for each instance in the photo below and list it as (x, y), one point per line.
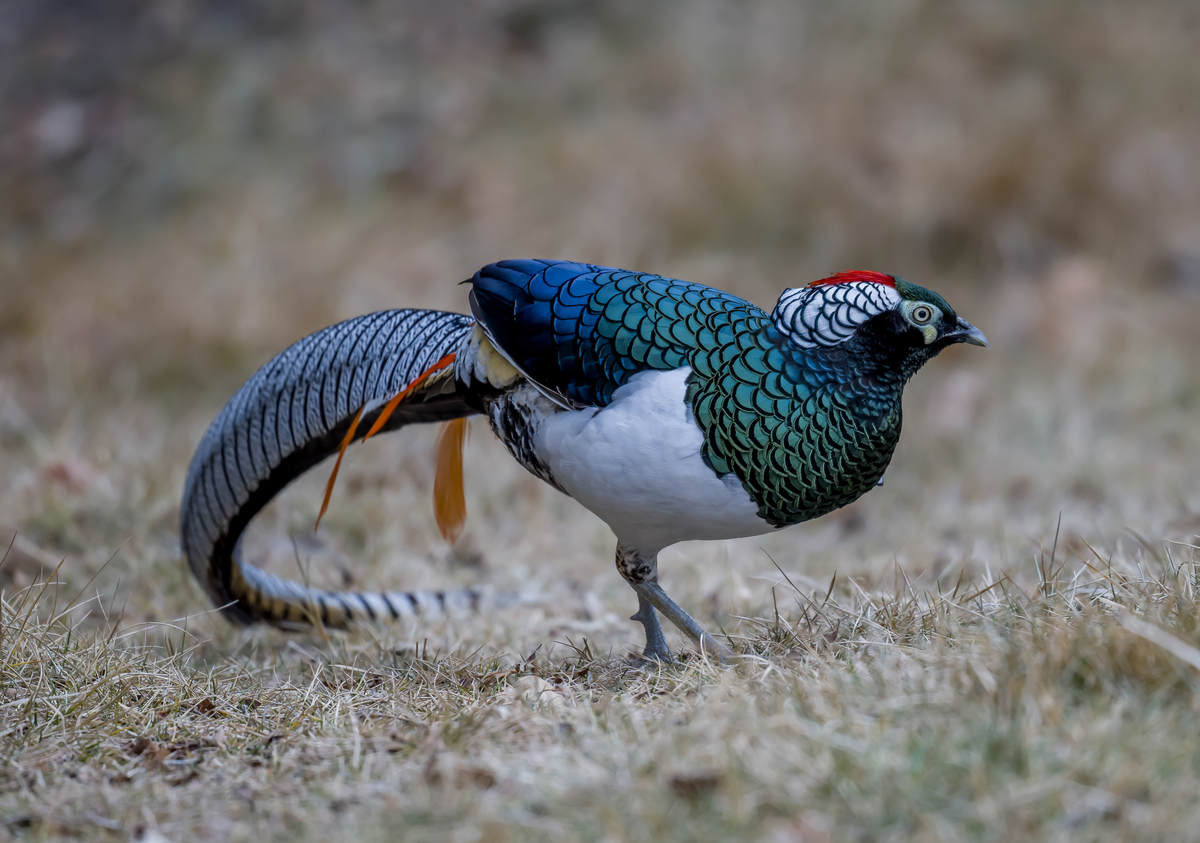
(829, 314)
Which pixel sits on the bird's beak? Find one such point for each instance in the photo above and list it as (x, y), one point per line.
(964, 331)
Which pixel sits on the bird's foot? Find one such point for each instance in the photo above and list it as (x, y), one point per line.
(656, 649)
(640, 570)
(651, 592)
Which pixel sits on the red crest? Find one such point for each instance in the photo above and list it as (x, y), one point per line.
(857, 275)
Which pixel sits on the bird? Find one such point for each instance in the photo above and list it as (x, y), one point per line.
(671, 410)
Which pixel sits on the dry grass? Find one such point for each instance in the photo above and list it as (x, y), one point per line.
(993, 711)
(1002, 642)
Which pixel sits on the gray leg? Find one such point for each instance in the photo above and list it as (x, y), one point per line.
(656, 642)
(653, 593)
(641, 572)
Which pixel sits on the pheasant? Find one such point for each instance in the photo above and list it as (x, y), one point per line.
(671, 410)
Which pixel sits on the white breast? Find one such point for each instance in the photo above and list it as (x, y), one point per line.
(636, 463)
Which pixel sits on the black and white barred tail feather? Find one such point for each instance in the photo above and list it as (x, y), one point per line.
(291, 415)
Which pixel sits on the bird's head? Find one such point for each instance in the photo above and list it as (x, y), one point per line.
(901, 323)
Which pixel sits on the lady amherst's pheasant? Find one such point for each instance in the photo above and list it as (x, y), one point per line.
(671, 410)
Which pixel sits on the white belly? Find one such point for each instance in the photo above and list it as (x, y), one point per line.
(636, 463)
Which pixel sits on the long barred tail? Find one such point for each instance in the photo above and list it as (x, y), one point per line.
(293, 413)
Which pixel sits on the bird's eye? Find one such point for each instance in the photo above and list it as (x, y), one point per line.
(921, 314)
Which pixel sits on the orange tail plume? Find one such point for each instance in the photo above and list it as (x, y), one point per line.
(390, 407)
(337, 466)
(384, 415)
(449, 503)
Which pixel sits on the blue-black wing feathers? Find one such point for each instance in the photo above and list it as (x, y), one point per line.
(580, 331)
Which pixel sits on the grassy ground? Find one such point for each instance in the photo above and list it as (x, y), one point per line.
(1001, 642)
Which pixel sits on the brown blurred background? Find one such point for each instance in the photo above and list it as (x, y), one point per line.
(186, 187)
